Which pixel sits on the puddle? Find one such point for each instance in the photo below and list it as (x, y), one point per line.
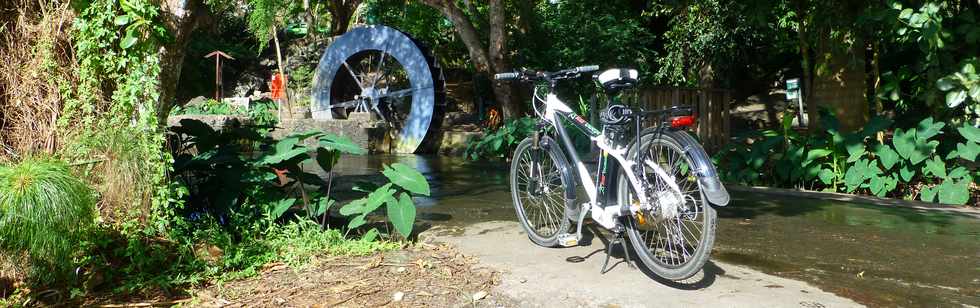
(879, 256)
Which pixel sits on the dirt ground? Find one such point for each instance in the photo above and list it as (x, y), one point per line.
(433, 275)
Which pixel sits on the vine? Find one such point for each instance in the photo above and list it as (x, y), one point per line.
(113, 110)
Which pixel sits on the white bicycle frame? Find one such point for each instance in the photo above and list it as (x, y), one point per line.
(606, 215)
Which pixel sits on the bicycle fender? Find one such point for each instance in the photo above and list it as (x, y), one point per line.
(566, 171)
(707, 175)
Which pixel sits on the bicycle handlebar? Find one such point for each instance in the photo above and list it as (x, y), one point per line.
(532, 75)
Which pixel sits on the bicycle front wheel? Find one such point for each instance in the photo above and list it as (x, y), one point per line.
(538, 189)
(676, 246)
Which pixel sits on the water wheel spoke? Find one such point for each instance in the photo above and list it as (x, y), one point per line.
(357, 79)
(403, 93)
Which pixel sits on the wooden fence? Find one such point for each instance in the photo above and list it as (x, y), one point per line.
(710, 105)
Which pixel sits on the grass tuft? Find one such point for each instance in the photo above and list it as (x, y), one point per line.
(43, 211)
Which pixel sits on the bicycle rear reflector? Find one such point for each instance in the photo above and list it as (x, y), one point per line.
(682, 121)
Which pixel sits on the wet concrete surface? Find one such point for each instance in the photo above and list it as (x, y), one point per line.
(875, 255)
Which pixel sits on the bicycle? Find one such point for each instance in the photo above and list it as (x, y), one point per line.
(657, 190)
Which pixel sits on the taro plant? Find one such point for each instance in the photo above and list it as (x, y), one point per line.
(912, 164)
(404, 181)
(44, 211)
(223, 178)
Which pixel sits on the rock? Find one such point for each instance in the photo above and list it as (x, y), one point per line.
(398, 296)
(197, 101)
(248, 83)
(480, 295)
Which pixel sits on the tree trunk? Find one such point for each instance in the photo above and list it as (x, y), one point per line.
(341, 12)
(503, 91)
(180, 18)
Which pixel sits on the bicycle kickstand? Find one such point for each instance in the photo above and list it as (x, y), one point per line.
(618, 238)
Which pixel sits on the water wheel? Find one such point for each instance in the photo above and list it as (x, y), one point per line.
(383, 71)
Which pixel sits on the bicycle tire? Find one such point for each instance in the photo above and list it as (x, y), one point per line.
(550, 208)
(662, 259)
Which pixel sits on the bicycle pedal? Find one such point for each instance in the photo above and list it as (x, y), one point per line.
(567, 240)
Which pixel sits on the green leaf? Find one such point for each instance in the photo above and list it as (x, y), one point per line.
(370, 203)
(968, 151)
(401, 213)
(906, 173)
(904, 142)
(121, 20)
(886, 156)
(340, 143)
(128, 41)
(975, 92)
(827, 176)
(954, 193)
(958, 173)
(928, 194)
(955, 98)
(906, 13)
(855, 147)
(856, 175)
(967, 131)
(815, 154)
(927, 129)
(326, 159)
(407, 177)
(936, 167)
(280, 206)
(877, 185)
(875, 125)
(322, 205)
(945, 84)
(371, 235)
(357, 221)
(890, 184)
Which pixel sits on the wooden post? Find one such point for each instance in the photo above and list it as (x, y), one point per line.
(217, 54)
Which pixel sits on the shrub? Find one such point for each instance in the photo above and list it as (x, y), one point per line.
(44, 209)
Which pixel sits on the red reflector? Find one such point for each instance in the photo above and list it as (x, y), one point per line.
(682, 121)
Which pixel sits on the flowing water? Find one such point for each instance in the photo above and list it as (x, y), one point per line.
(876, 255)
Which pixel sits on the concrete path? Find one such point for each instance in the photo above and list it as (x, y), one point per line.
(542, 277)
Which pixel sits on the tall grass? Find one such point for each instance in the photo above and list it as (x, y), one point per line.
(44, 210)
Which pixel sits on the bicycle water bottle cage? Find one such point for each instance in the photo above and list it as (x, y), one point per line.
(617, 79)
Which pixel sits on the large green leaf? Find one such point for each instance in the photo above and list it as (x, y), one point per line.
(340, 143)
(856, 175)
(928, 194)
(357, 221)
(936, 167)
(955, 98)
(278, 208)
(927, 128)
(904, 142)
(407, 177)
(322, 205)
(875, 125)
(326, 159)
(877, 185)
(954, 193)
(854, 144)
(886, 155)
(968, 131)
(815, 154)
(906, 173)
(401, 213)
(827, 176)
(370, 236)
(968, 151)
(370, 203)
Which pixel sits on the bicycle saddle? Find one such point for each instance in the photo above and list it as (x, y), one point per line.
(617, 79)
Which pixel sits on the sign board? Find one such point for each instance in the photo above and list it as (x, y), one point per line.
(792, 88)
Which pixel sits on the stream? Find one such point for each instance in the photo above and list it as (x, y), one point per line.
(876, 255)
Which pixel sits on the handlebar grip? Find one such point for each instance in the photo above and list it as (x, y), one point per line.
(587, 69)
(506, 76)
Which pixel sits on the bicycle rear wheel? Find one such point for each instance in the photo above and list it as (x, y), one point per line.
(538, 189)
(677, 246)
